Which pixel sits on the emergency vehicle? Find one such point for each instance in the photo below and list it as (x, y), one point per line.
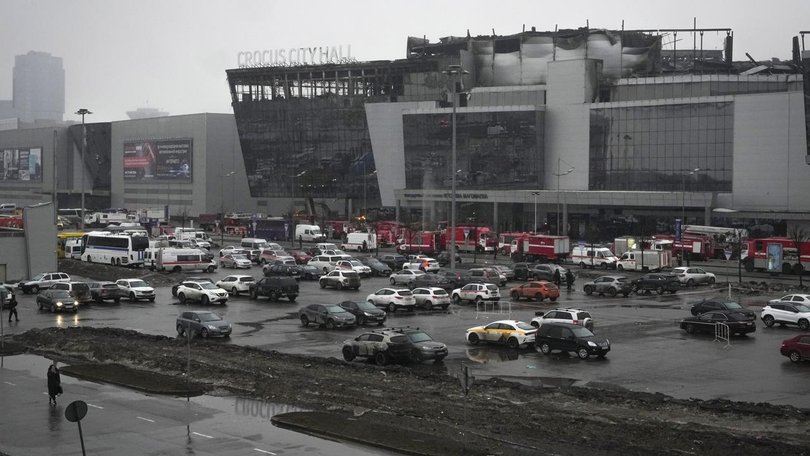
(542, 247)
(763, 255)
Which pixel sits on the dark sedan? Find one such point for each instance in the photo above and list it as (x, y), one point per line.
(433, 280)
(310, 272)
(737, 322)
(378, 268)
(659, 283)
(329, 316)
(393, 260)
(365, 312)
(708, 305)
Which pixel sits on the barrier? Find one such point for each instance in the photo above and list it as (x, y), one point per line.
(493, 308)
(722, 333)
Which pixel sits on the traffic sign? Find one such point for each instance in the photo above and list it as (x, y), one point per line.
(75, 411)
(466, 233)
(727, 253)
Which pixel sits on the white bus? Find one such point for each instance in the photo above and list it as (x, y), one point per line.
(113, 249)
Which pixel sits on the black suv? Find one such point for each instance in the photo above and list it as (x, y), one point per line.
(394, 345)
(274, 288)
(709, 305)
(393, 260)
(378, 268)
(657, 282)
(571, 338)
(522, 271)
(287, 270)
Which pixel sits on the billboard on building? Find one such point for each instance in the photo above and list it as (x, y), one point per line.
(21, 164)
(158, 159)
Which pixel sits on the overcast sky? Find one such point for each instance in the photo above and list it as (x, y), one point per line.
(172, 54)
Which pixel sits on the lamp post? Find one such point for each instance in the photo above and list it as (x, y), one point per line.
(683, 210)
(82, 112)
(454, 71)
(535, 210)
(222, 207)
(558, 174)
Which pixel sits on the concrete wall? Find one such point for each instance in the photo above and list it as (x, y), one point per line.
(27, 253)
(31, 192)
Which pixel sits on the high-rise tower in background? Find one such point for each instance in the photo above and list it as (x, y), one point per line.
(39, 87)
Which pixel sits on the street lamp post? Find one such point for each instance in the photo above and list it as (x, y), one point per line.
(454, 71)
(683, 211)
(82, 112)
(222, 207)
(558, 174)
(535, 210)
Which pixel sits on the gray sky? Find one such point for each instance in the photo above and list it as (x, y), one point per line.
(172, 54)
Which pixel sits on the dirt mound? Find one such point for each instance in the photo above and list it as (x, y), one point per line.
(103, 272)
(498, 417)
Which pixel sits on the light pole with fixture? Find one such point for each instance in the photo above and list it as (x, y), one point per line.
(683, 211)
(454, 71)
(558, 174)
(535, 210)
(82, 112)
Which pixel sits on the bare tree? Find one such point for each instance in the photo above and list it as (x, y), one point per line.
(798, 235)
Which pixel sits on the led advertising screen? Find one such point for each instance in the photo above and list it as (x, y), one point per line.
(160, 159)
(21, 164)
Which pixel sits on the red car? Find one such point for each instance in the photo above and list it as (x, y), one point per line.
(300, 256)
(796, 348)
(536, 290)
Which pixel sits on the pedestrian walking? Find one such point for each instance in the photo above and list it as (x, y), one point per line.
(54, 383)
(556, 278)
(569, 279)
(12, 308)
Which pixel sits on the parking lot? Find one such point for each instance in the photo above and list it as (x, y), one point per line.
(649, 351)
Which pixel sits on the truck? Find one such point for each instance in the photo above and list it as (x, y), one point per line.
(388, 231)
(694, 246)
(644, 260)
(428, 242)
(505, 244)
(470, 238)
(541, 247)
(200, 237)
(589, 256)
(102, 219)
(360, 241)
(274, 287)
(274, 229)
(763, 255)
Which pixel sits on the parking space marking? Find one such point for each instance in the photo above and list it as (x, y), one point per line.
(203, 435)
(9, 383)
(264, 451)
(145, 419)
(95, 406)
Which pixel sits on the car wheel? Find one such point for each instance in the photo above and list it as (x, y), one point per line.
(538, 297)
(582, 353)
(211, 269)
(273, 296)
(456, 299)
(545, 348)
(659, 290)
(132, 296)
(391, 307)
(588, 291)
(35, 289)
(478, 300)
(222, 265)
(690, 329)
(322, 283)
(348, 353)
(292, 297)
(235, 291)
(711, 280)
(604, 265)
(635, 289)
(339, 285)
(620, 268)
(325, 271)
(768, 320)
(177, 269)
(381, 358)
(535, 324)
(361, 321)
(795, 356)
(690, 283)
(428, 305)
(182, 298)
(804, 325)
(515, 296)
(53, 308)
(204, 300)
(180, 330)
(611, 292)
(204, 333)
(582, 264)
(304, 321)
(393, 281)
(117, 300)
(416, 356)
(512, 342)
(473, 339)
(330, 324)
(254, 294)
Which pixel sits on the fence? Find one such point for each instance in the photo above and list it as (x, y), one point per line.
(722, 333)
(493, 308)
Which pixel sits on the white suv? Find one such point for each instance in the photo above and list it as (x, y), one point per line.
(356, 266)
(786, 313)
(476, 292)
(690, 276)
(572, 316)
(392, 299)
(204, 292)
(136, 289)
(43, 281)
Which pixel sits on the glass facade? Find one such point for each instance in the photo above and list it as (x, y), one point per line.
(654, 148)
(494, 150)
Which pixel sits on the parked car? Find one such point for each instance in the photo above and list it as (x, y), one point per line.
(431, 297)
(364, 312)
(392, 299)
(236, 284)
(691, 276)
(786, 313)
(204, 292)
(803, 299)
(433, 280)
(487, 275)
(513, 333)
(309, 272)
(404, 277)
(79, 290)
(505, 271)
(189, 279)
(270, 255)
(330, 316)
(545, 271)
(394, 345)
(422, 264)
(796, 348)
(354, 265)
(444, 258)
(571, 338)
(325, 263)
(609, 285)
(522, 271)
(708, 305)
(136, 289)
(234, 260)
(103, 291)
(202, 323)
(571, 316)
(476, 292)
(57, 301)
(537, 290)
(281, 269)
(274, 288)
(657, 282)
(393, 260)
(42, 281)
(378, 268)
(300, 256)
(340, 279)
(738, 322)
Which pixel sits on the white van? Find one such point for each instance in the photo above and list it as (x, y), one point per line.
(176, 260)
(253, 243)
(73, 249)
(309, 233)
(594, 257)
(362, 242)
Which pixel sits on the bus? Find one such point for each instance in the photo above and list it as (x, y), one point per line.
(61, 240)
(113, 249)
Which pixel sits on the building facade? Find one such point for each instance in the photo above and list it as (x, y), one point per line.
(38, 87)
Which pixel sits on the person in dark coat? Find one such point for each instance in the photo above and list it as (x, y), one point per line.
(569, 279)
(12, 308)
(54, 383)
(556, 278)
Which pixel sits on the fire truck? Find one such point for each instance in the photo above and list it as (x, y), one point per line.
(388, 231)
(11, 221)
(506, 244)
(541, 247)
(471, 238)
(761, 257)
(694, 246)
(427, 242)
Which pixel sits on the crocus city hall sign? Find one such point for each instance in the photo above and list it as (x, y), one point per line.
(295, 56)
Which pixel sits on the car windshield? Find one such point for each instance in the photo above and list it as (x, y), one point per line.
(366, 306)
(109, 285)
(802, 308)
(582, 332)
(38, 277)
(440, 292)
(239, 257)
(405, 293)
(733, 305)
(491, 287)
(524, 326)
(208, 286)
(399, 339)
(308, 267)
(419, 336)
(350, 274)
(60, 294)
(247, 279)
(137, 283)
(335, 309)
(208, 316)
(374, 262)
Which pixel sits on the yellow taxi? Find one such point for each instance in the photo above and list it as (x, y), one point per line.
(512, 333)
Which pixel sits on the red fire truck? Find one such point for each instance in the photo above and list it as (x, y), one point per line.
(506, 246)
(471, 238)
(694, 246)
(427, 242)
(760, 255)
(542, 247)
(388, 231)
(11, 221)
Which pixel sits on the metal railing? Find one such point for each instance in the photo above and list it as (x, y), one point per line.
(493, 308)
(722, 333)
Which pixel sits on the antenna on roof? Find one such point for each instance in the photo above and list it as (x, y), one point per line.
(493, 32)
